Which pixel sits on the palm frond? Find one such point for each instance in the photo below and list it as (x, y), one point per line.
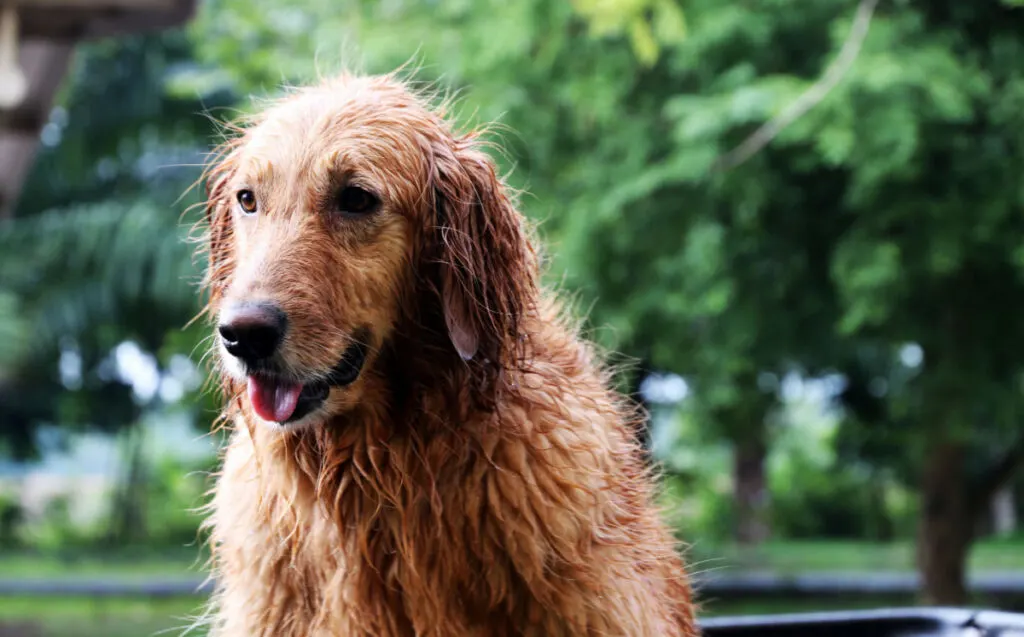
(13, 330)
(78, 268)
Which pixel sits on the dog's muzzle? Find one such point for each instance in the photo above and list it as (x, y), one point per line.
(343, 374)
(276, 398)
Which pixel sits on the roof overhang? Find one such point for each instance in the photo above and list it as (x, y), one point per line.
(49, 31)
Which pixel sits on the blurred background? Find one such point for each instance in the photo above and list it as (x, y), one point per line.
(801, 222)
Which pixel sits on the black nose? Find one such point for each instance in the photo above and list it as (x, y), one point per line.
(252, 331)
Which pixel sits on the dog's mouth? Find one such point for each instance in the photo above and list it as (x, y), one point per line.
(282, 400)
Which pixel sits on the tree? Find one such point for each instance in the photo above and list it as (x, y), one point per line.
(863, 201)
(919, 132)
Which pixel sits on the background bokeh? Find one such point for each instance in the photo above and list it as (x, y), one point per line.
(826, 332)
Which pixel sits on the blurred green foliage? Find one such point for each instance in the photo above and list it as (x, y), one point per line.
(169, 496)
(96, 254)
(883, 222)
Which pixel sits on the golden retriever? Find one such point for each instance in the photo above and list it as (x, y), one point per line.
(421, 444)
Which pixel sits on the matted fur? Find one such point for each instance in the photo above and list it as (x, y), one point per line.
(500, 495)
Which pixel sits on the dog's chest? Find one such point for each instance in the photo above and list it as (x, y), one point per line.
(359, 564)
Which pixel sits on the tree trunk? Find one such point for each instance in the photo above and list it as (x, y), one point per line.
(946, 526)
(883, 529)
(751, 491)
(128, 519)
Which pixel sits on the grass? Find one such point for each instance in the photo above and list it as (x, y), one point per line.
(186, 562)
(109, 617)
(811, 556)
(169, 617)
(782, 557)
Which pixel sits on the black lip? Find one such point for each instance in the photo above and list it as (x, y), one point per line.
(348, 368)
(344, 373)
(313, 395)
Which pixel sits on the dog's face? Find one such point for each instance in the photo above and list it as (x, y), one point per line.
(327, 218)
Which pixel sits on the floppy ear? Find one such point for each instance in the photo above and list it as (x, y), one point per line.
(486, 265)
(217, 217)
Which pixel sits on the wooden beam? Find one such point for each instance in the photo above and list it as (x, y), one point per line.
(44, 64)
(22, 121)
(98, 5)
(77, 19)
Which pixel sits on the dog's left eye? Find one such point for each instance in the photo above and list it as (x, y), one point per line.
(247, 200)
(354, 200)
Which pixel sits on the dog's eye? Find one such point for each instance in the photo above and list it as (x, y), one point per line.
(247, 200)
(354, 200)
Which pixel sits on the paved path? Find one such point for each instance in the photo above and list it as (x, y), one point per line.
(718, 584)
(844, 584)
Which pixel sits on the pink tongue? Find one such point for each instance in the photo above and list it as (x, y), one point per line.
(273, 400)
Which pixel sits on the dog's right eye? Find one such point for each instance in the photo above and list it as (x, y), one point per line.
(353, 200)
(247, 200)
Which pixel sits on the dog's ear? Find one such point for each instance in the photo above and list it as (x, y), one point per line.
(217, 217)
(486, 264)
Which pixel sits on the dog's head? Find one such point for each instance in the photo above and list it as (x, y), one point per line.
(347, 218)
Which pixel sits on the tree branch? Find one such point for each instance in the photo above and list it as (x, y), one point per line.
(810, 98)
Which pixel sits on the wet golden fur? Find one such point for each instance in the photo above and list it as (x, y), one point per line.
(503, 495)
